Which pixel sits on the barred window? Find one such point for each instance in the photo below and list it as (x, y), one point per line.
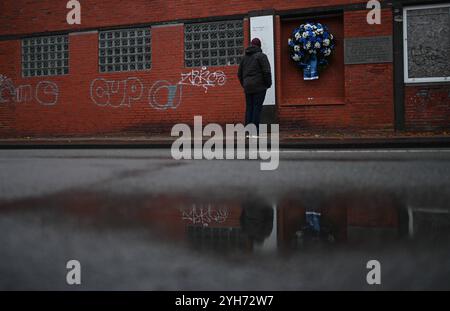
(213, 44)
(125, 50)
(45, 56)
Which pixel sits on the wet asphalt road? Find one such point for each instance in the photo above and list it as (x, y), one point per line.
(139, 220)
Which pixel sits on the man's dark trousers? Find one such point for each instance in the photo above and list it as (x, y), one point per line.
(254, 106)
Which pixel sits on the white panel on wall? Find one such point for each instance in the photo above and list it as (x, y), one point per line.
(262, 27)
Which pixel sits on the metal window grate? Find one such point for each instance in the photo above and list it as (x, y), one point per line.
(45, 56)
(125, 50)
(213, 44)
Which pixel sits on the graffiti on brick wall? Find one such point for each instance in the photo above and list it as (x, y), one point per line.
(124, 93)
(203, 78)
(162, 95)
(45, 93)
(428, 98)
(116, 93)
(172, 99)
(201, 215)
(7, 90)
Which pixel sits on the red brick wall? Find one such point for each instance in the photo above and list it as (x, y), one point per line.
(330, 87)
(25, 16)
(363, 93)
(427, 107)
(312, 104)
(365, 99)
(75, 112)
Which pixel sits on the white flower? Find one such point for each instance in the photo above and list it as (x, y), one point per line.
(317, 45)
(296, 58)
(331, 37)
(297, 48)
(327, 52)
(308, 27)
(305, 35)
(289, 41)
(326, 42)
(298, 35)
(308, 45)
(320, 31)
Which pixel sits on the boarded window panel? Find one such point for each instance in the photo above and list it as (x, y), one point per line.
(39, 57)
(207, 37)
(428, 42)
(129, 50)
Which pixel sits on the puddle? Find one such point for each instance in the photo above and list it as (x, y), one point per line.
(303, 241)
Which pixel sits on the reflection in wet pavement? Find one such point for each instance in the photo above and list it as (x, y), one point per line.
(166, 242)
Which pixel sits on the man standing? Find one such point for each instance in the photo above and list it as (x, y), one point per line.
(255, 76)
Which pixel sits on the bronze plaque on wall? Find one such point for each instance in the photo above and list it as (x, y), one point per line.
(368, 50)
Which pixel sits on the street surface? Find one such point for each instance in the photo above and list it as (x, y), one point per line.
(139, 220)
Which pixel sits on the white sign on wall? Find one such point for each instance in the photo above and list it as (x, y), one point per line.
(262, 27)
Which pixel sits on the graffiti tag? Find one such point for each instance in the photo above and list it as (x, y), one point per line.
(116, 93)
(204, 215)
(45, 93)
(162, 95)
(203, 78)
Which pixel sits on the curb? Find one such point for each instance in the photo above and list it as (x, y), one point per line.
(288, 143)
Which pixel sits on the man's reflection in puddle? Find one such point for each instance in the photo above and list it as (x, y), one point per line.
(257, 221)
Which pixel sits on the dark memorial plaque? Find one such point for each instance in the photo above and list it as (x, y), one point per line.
(368, 50)
(428, 42)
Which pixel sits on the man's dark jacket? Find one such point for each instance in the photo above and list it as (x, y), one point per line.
(254, 71)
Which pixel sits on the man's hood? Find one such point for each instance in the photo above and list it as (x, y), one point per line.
(252, 50)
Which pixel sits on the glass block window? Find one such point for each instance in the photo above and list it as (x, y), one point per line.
(45, 56)
(125, 50)
(213, 44)
(427, 43)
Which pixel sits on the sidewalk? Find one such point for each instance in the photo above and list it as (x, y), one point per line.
(287, 140)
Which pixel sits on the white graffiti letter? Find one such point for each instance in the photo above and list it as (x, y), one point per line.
(24, 93)
(74, 16)
(47, 93)
(100, 92)
(174, 95)
(134, 89)
(119, 88)
(7, 90)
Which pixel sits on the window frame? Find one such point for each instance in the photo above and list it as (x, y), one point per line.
(218, 57)
(65, 38)
(144, 53)
(407, 79)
